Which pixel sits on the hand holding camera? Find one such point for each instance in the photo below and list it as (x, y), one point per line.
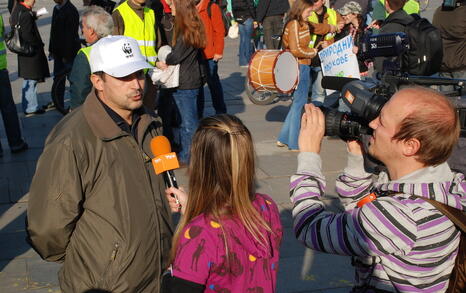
(312, 129)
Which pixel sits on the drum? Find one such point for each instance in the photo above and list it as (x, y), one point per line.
(273, 71)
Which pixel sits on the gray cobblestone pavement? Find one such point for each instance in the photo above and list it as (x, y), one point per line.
(301, 270)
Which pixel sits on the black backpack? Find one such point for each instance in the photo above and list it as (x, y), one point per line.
(226, 17)
(425, 53)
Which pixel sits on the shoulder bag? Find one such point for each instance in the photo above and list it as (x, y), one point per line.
(15, 43)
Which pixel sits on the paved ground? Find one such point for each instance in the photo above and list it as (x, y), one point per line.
(301, 270)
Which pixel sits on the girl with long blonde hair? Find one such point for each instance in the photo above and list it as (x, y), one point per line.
(229, 236)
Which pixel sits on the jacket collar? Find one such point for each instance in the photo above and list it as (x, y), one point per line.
(25, 5)
(104, 127)
(397, 15)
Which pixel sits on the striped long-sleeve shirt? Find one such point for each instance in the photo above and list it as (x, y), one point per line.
(400, 243)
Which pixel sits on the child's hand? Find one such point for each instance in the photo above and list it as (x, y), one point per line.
(161, 65)
(177, 202)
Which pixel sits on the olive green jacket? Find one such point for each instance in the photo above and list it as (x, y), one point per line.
(96, 204)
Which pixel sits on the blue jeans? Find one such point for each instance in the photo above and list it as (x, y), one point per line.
(245, 42)
(216, 91)
(186, 101)
(29, 96)
(318, 92)
(290, 129)
(9, 114)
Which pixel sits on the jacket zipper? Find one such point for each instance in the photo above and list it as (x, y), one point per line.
(105, 277)
(151, 194)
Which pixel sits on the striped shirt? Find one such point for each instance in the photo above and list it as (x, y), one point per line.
(399, 243)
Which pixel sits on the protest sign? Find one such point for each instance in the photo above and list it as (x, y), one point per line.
(338, 59)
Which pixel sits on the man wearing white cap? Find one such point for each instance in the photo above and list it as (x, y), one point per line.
(95, 202)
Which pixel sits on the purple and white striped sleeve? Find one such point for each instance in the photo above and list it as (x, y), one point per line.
(354, 183)
(377, 228)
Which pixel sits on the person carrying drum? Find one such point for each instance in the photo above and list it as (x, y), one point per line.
(296, 38)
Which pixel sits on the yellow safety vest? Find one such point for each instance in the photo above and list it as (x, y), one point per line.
(332, 19)
(2, 46)
(142, 31)
(87, 52)
(410, 7)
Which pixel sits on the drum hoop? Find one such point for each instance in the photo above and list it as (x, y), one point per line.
(273, 75)
(249, 68)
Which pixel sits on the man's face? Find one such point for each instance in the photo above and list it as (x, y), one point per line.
(87, 32)
(349, 17)
(318, 5)
(139, 2)
(385, 126)
(122, 94)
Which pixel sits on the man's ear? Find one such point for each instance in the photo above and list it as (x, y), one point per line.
(411, 146)
(97, 82)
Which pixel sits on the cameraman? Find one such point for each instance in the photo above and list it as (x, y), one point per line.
(392, 24)
(399, 243)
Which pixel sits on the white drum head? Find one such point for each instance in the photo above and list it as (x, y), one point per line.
(286, 72)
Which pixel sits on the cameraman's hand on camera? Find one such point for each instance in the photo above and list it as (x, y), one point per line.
(375, 24)
(177, 202)
(354, 147)
(312, 129)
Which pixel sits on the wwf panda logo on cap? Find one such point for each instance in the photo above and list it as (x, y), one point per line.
(127, 50)
(117, 56)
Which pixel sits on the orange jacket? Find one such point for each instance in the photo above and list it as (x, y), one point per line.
(214, 29)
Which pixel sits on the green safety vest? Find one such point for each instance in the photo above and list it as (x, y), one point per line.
(410, 7)
(332, 19)
(2, 46)
(87, 52)
(143, 32)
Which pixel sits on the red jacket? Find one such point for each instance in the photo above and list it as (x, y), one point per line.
(214, 29)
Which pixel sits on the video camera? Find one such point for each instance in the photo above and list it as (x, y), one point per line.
(366, 98)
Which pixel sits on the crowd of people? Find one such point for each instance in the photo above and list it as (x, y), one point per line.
(97, 206)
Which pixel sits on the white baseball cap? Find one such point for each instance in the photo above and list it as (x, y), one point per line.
(117, 56)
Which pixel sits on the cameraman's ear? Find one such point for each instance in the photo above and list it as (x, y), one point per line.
(411, 146)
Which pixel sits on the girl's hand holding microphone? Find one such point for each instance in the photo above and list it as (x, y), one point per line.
(177, 202)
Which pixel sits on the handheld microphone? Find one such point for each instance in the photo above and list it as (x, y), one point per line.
(164, 160)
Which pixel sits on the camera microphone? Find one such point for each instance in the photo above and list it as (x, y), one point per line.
(164, 161)
(335, 82)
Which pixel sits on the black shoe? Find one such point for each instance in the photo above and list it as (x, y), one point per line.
(49, 106)
(37, 112)
(20, 148)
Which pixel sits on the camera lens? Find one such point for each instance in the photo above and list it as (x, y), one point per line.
(346, 126)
